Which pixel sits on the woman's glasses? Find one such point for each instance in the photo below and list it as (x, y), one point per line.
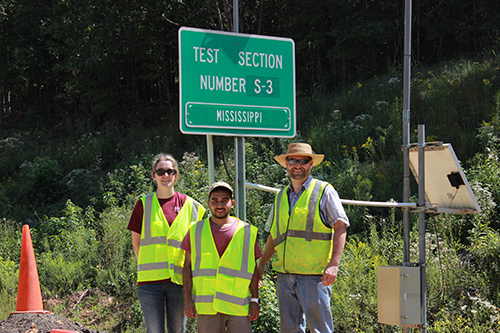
(302, 161)
(161, 172)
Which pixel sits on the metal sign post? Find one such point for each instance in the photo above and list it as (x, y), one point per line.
(421, 226)
(239, 147)
(406, 134)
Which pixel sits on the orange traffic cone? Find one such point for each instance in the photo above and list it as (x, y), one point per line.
(29, 295)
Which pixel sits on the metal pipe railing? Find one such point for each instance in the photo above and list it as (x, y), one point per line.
(344, 201)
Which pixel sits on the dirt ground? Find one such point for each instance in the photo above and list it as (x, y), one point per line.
(40, 323)
(92, 305)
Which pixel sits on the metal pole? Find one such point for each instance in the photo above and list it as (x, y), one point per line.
(406, 133)
(236, 19)
(211, 164)
(239, 143)
(406, 129)
(240, 179)
(421, 225)
(389, 204)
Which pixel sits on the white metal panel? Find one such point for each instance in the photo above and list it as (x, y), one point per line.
(441, 161)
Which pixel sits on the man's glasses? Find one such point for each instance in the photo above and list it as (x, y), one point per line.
(161, 172)
(302, 161)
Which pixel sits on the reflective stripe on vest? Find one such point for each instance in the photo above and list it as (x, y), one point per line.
(212, 291)
(307, 234)
(160, 256)
(302, 242)
(174, 245)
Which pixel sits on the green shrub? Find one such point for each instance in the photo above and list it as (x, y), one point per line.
(117, 271)
(354, 293)
(485, 251)
(44, 184)
(269, 319)
(70, 261)
(69, 250)
(127, 185)
(193, 178)
(83, 187)
(84, 152)
(9, 273)
(10, 240)
(60, 276)
(73, 218)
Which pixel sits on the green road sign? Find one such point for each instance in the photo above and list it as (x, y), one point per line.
(236, 84)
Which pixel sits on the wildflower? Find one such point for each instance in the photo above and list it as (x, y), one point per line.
(394, 80)
(357, 296)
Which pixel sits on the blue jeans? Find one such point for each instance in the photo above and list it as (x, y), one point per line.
(155, 298)
(301, 297)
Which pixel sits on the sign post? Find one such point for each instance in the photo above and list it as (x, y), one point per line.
(236, 84)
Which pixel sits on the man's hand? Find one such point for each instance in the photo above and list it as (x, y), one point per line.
(190, 309)
(253, 313)
(329, 275)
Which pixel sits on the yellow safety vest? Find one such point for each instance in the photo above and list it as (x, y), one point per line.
(160, 255)
(302, 242)
(222, 284)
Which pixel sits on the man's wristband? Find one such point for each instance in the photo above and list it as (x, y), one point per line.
(255, 300)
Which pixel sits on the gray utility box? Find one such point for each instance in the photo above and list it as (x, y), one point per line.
(399, 295)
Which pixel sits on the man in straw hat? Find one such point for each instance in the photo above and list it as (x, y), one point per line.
(308, 235)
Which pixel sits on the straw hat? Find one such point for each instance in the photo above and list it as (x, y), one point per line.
(299, 149)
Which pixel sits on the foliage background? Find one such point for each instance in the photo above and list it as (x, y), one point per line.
(89, 95)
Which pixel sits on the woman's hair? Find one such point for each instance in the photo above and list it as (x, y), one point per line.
(165, 157)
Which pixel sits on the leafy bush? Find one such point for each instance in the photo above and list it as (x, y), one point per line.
(117, 270)
(269, 319)
(83, 187)
(10, 251)
(354, 293)
(193, 178)
(485, 252)
(10, 240)
(61, 276)
(8, 286)
(125, 186)
(45, 184)
(71, 262)
(70, 250)
(72, 219)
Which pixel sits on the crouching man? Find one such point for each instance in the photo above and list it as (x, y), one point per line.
(220, 277)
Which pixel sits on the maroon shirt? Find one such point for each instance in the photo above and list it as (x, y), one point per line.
(222, 237)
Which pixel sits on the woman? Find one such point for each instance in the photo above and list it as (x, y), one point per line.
(158, 223)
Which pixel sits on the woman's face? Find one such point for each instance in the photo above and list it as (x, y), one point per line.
(165, 180)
